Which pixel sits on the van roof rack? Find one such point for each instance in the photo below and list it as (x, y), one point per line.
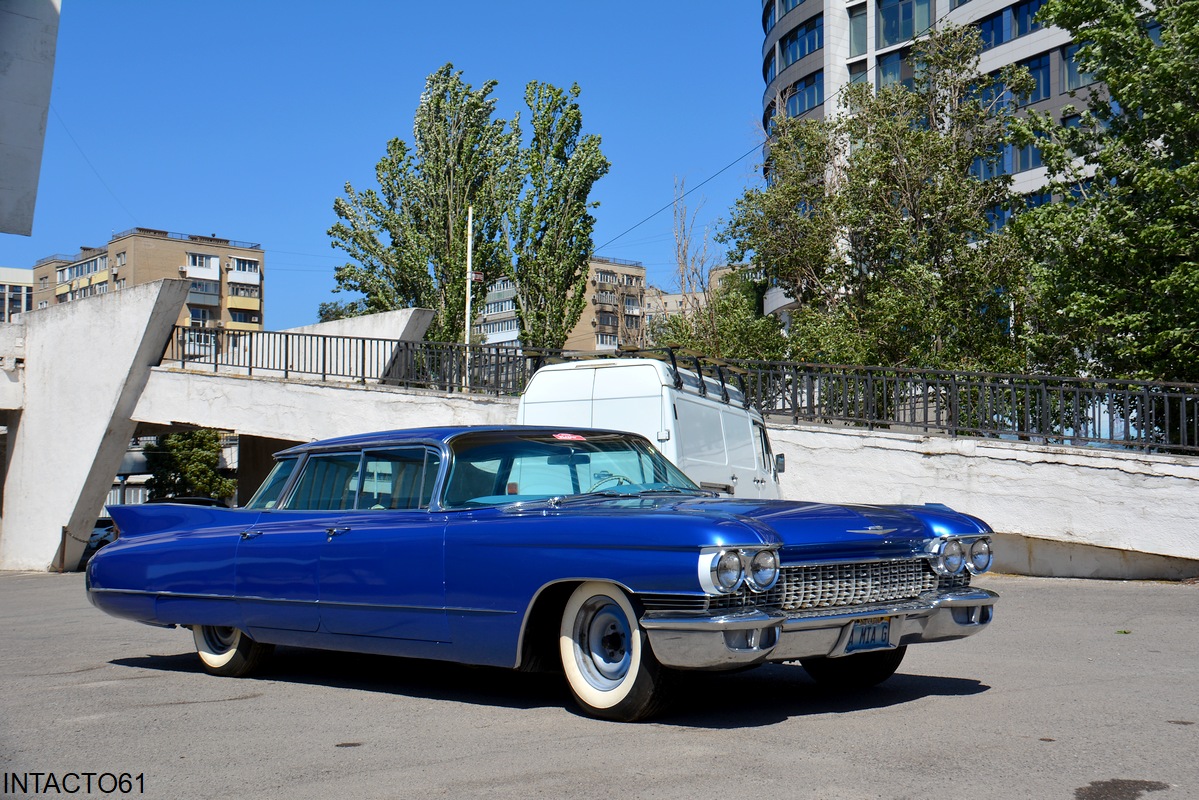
(702, 365)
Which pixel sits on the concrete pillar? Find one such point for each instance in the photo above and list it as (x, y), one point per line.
(86, 364)
(255, 458)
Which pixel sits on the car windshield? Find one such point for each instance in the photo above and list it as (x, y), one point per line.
(497, 467)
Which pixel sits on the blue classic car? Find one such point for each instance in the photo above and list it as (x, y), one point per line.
(539, 548)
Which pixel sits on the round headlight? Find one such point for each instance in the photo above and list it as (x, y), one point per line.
(953, 557)
(763, 570)
(727, 572)
(980, 556)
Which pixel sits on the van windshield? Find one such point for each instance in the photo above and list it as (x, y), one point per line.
(498, 467)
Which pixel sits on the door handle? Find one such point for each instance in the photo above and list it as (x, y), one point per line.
(331, 532)
(250, 534)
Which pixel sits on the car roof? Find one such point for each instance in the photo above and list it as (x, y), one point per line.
(424, 435)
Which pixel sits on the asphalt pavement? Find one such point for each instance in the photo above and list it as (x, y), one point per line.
(1079, 689)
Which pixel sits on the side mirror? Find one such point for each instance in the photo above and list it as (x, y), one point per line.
(780, 463)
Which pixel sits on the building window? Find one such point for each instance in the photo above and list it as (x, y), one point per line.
(607, 298)
(1072, 77)
(499, 307)
(804, 40)
(992, 29)
(605, 276)
(243, 290)
(199, 315)
(858, 72)
(857, 30)
(895, 68)
(44, 283)
(43, 304)
(768, 70)
(901, 20)
(244, 316)
(1038, 67)
(606, 318)
(789, 4)
(245, 265)
(768, 17)
(1024, 16)
(200, 261)
(806, 94)
(632, 323)
(206, 287)
(120, 259)
(1027, 157)
(605, 340)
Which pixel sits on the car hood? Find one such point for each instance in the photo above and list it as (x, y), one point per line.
(805, 530)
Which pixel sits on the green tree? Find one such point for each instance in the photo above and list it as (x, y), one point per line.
(879, 221)
(408, 239)
(1117, 278)
(185, 464)
(531, 212)
(549, 226)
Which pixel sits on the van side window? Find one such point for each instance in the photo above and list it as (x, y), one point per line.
(764, 447)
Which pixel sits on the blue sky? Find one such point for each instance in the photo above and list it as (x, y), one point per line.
(246, 119)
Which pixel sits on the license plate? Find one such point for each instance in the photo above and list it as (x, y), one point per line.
(869, 634)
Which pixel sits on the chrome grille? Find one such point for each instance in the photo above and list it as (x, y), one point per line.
(835, 585)
(838, 585)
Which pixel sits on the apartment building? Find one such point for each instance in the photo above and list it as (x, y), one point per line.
(16, 292)
(613, 315)
(813, 48)
(226, 276)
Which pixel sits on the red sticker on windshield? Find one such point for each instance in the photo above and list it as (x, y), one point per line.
(570, 437)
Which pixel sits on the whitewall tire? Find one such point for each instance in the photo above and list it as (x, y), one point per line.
(227, 651)
(609, 666)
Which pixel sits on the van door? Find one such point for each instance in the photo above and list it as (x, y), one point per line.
(768, 488)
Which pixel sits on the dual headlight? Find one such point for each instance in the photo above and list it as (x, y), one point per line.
(951, 555)
(727, 569)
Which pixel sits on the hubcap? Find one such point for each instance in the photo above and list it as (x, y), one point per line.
(220, 640)
(602, 643)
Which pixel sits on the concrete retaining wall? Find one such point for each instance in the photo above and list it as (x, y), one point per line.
(1071, 511)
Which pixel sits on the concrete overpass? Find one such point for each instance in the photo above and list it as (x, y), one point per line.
(81, 379)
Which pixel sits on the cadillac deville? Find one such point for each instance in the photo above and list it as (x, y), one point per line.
(544, 548)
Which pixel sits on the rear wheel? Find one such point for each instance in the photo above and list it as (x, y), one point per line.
(228, 652)
(854, 672)
(609, 666)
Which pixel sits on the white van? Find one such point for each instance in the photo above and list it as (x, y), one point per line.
(702, 424)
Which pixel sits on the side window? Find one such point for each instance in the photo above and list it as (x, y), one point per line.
(267, 495)
(764, 447)
(398, 479)
(328, 483)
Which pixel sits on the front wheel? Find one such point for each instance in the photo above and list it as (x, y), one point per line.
(228, 652)
(609, 666)
(854, 672)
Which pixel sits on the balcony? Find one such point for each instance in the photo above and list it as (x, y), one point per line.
(776, 300)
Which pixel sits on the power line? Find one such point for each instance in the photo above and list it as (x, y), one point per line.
(758, 146)
(90, 164)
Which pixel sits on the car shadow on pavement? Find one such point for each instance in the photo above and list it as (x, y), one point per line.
(786, 689)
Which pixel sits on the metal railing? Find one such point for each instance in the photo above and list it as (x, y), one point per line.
(447, 367)
(1142, 415)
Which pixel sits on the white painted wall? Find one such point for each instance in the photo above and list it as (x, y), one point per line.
(85, 365)
(1103, 498)
(279, 409)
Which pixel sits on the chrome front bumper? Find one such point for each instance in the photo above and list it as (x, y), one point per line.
(744, 638)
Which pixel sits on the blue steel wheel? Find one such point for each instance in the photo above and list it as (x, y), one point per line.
(609, 666)
(228, 652)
